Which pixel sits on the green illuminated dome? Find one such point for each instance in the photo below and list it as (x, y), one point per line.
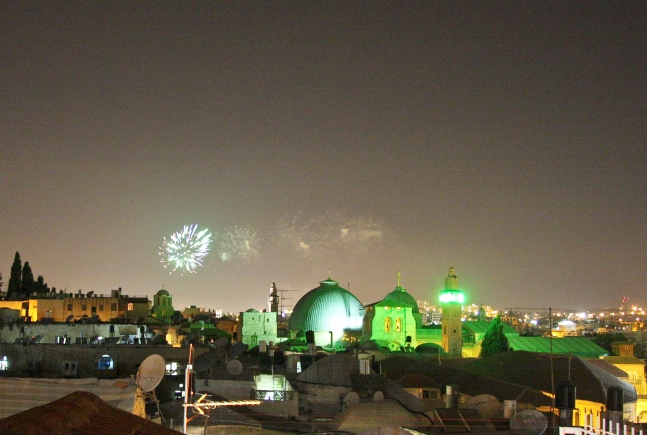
(400, 296)
(328, 308)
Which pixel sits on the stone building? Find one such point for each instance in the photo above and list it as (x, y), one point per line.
(77, 306)
(257, 327)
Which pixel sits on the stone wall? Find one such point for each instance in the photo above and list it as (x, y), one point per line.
(48, 360)
(48, 333)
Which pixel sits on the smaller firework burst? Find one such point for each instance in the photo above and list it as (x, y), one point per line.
(186, 249)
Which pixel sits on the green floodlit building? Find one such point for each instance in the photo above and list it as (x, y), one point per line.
(163, 306)
(331, 312)
(393, 321)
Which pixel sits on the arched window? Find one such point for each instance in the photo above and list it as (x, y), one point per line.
(387, 324)
(398, 324)
(105, 363)
(131, 306)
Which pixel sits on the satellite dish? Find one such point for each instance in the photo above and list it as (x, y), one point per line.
(237, 349)
(378, 396)
(234, 367)
(69, 318)
(204, 362)
(351, 399)
(487, 405)
(151, 372)
(528, 422)
(221, 342)
(90, 293)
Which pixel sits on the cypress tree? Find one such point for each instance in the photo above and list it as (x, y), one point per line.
(16, 276)
(40, 286)
(27, 282)
(494, 340)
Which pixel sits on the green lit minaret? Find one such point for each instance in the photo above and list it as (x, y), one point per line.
(451, 302)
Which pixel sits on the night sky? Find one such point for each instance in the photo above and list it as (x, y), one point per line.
(506, 139)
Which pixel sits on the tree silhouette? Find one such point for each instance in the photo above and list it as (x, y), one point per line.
(16, 276)
(27, 282)
(606, 339)
(494, 340)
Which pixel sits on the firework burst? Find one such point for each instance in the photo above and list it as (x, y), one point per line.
(186, 249)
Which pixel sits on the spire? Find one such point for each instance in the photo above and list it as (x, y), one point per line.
(399, 278)
(451, 282)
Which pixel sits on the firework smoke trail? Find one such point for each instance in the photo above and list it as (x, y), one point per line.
(238, 243)
(329, 232)
(185, 250)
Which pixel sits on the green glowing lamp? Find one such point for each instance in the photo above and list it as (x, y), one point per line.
(448, 296)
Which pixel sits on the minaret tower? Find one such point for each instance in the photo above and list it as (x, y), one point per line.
(451, 302)
(273, 299)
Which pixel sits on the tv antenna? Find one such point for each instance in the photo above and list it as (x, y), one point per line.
(200, 404)
(275, 301)
(149, 375)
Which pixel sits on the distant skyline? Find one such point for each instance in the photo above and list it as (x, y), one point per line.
(505, 139)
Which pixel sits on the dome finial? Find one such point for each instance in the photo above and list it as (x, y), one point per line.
(328, 273)
(399, 278)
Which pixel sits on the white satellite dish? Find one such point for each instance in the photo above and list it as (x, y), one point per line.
(150, 373)
(487, 405)
(528, 422)
(234, 367)
(351, 399)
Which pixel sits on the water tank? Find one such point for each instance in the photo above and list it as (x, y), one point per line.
(451, 397)
(509, 408)
(565, 395)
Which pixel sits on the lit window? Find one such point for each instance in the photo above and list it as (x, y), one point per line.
(4, 364)
(131, 306)
(105, 363)
(171, 368)
(387, 324)
(398, 324)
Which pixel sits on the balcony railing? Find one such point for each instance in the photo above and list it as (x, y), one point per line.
(275, 395)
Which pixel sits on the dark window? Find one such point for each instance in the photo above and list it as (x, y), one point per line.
(425, 394)
(100, 307)
(113, 307)
(84, 307)
(69, 307)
